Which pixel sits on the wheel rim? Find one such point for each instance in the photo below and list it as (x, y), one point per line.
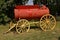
(47, 22)
(22, 26)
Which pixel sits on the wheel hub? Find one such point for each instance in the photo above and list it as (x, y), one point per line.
(47, 21)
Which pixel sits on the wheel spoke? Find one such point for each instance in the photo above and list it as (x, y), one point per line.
(49, 26)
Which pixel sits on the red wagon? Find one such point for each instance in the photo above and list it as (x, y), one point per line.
(33, 15)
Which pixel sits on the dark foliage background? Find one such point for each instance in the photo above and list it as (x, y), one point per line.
(7, 8)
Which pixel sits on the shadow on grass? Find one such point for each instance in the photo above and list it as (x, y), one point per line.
(35, 27)
(59, 38)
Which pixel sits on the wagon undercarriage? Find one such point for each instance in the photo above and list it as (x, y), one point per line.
(47, 23)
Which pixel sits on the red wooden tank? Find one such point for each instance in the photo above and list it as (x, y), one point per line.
(30, 11)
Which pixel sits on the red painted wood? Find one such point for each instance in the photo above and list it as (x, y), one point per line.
(30, 12)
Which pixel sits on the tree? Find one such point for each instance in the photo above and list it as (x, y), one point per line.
(7, 8)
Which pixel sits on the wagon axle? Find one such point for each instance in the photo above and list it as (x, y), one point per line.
(47, 23)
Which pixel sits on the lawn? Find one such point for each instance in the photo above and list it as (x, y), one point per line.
(33, 34)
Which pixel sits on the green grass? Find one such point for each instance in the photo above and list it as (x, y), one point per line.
(33, 34)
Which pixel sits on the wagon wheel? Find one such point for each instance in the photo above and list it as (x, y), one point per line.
(11, 24)
(22, 26)
(47, 22)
